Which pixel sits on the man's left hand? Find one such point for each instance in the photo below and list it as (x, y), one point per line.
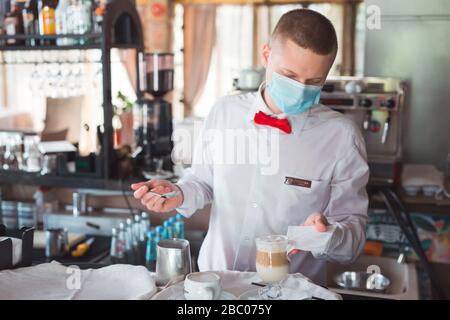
(316, 219)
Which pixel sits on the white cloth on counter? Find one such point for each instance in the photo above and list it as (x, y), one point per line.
(237, 283)
(307, 238)
(53, 281)
(16, 249)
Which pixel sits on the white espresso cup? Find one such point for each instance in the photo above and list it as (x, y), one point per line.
(202, 286)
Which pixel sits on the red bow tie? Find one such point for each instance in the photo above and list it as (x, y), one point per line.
(266, 120)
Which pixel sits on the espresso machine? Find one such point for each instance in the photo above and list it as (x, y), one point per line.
(376, 105)
(152, 118)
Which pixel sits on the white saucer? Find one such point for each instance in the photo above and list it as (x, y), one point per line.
(286, 294)
(176, 292)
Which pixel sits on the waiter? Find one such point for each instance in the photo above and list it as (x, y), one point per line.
(318, 170)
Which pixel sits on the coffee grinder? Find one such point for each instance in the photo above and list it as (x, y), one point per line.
(152, 118)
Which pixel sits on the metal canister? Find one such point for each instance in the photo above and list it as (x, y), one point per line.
(173, 259)
(57, 242)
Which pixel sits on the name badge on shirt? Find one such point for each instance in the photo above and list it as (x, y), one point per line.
(298, 182)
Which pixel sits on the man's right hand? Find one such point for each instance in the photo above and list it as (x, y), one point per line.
(155, 202)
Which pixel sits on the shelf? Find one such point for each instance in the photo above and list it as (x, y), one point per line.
(121, 29)
(419, 203)
(48, 48)
(93, 37)
(36, 179)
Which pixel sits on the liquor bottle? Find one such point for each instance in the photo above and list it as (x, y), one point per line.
(80, 12)
(99, 13)
(30, 16)
(47, 20)
(168, 228)
(13, 23)
(136, 229)
(150, 253)
(63, 23)
(145, 226)
(5, 7)
(172, 221)
(115, 252)
(121, 240)
(179, 227)
(159, 231)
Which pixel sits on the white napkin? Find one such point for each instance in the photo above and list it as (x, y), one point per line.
(307, 238)
(49, 281)
(237, 283)
(16, 249)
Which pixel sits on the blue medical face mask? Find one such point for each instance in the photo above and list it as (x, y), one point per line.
(292, 97)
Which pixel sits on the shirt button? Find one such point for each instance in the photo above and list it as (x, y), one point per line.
(254, 205)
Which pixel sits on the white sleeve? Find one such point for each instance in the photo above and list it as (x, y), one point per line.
(197, 182)
(347, 209)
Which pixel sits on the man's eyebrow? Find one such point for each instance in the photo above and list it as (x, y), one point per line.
(288, 71)
(316, 79)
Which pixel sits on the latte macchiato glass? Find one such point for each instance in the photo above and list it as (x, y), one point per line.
(272, 264)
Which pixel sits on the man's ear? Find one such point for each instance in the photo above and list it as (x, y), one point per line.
(265, 55)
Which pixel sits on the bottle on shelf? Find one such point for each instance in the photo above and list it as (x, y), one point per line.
(172, 221)
(145, 226)
(130, 241)
(136, 228)
(30, 16)
(5, 7)
(13, 23)
(159, 231)
(168, 229)
(165, 233)
(62, 21)
(99, 13)
(80, 15)
(150, 252)
(121, 240)
(47, 20)
(179, 227)
(114, 250)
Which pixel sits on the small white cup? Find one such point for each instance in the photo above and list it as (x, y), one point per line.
(202, 286)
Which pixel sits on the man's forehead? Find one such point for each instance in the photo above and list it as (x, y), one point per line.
(296, 59)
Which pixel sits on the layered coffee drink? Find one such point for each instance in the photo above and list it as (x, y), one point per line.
(272, 264)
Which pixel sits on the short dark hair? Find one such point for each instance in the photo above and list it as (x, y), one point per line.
(308, 29)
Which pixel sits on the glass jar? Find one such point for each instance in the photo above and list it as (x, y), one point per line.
(159, 73)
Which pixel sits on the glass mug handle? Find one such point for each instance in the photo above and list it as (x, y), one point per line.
(289, 249)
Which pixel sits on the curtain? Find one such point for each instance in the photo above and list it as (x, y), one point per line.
(199, 40)
(128, 58)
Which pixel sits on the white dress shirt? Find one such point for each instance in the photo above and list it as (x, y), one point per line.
(324, 148)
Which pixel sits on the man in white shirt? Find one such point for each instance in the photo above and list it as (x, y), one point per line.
(311, 166)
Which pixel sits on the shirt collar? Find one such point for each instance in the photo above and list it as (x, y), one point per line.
(298, 122)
